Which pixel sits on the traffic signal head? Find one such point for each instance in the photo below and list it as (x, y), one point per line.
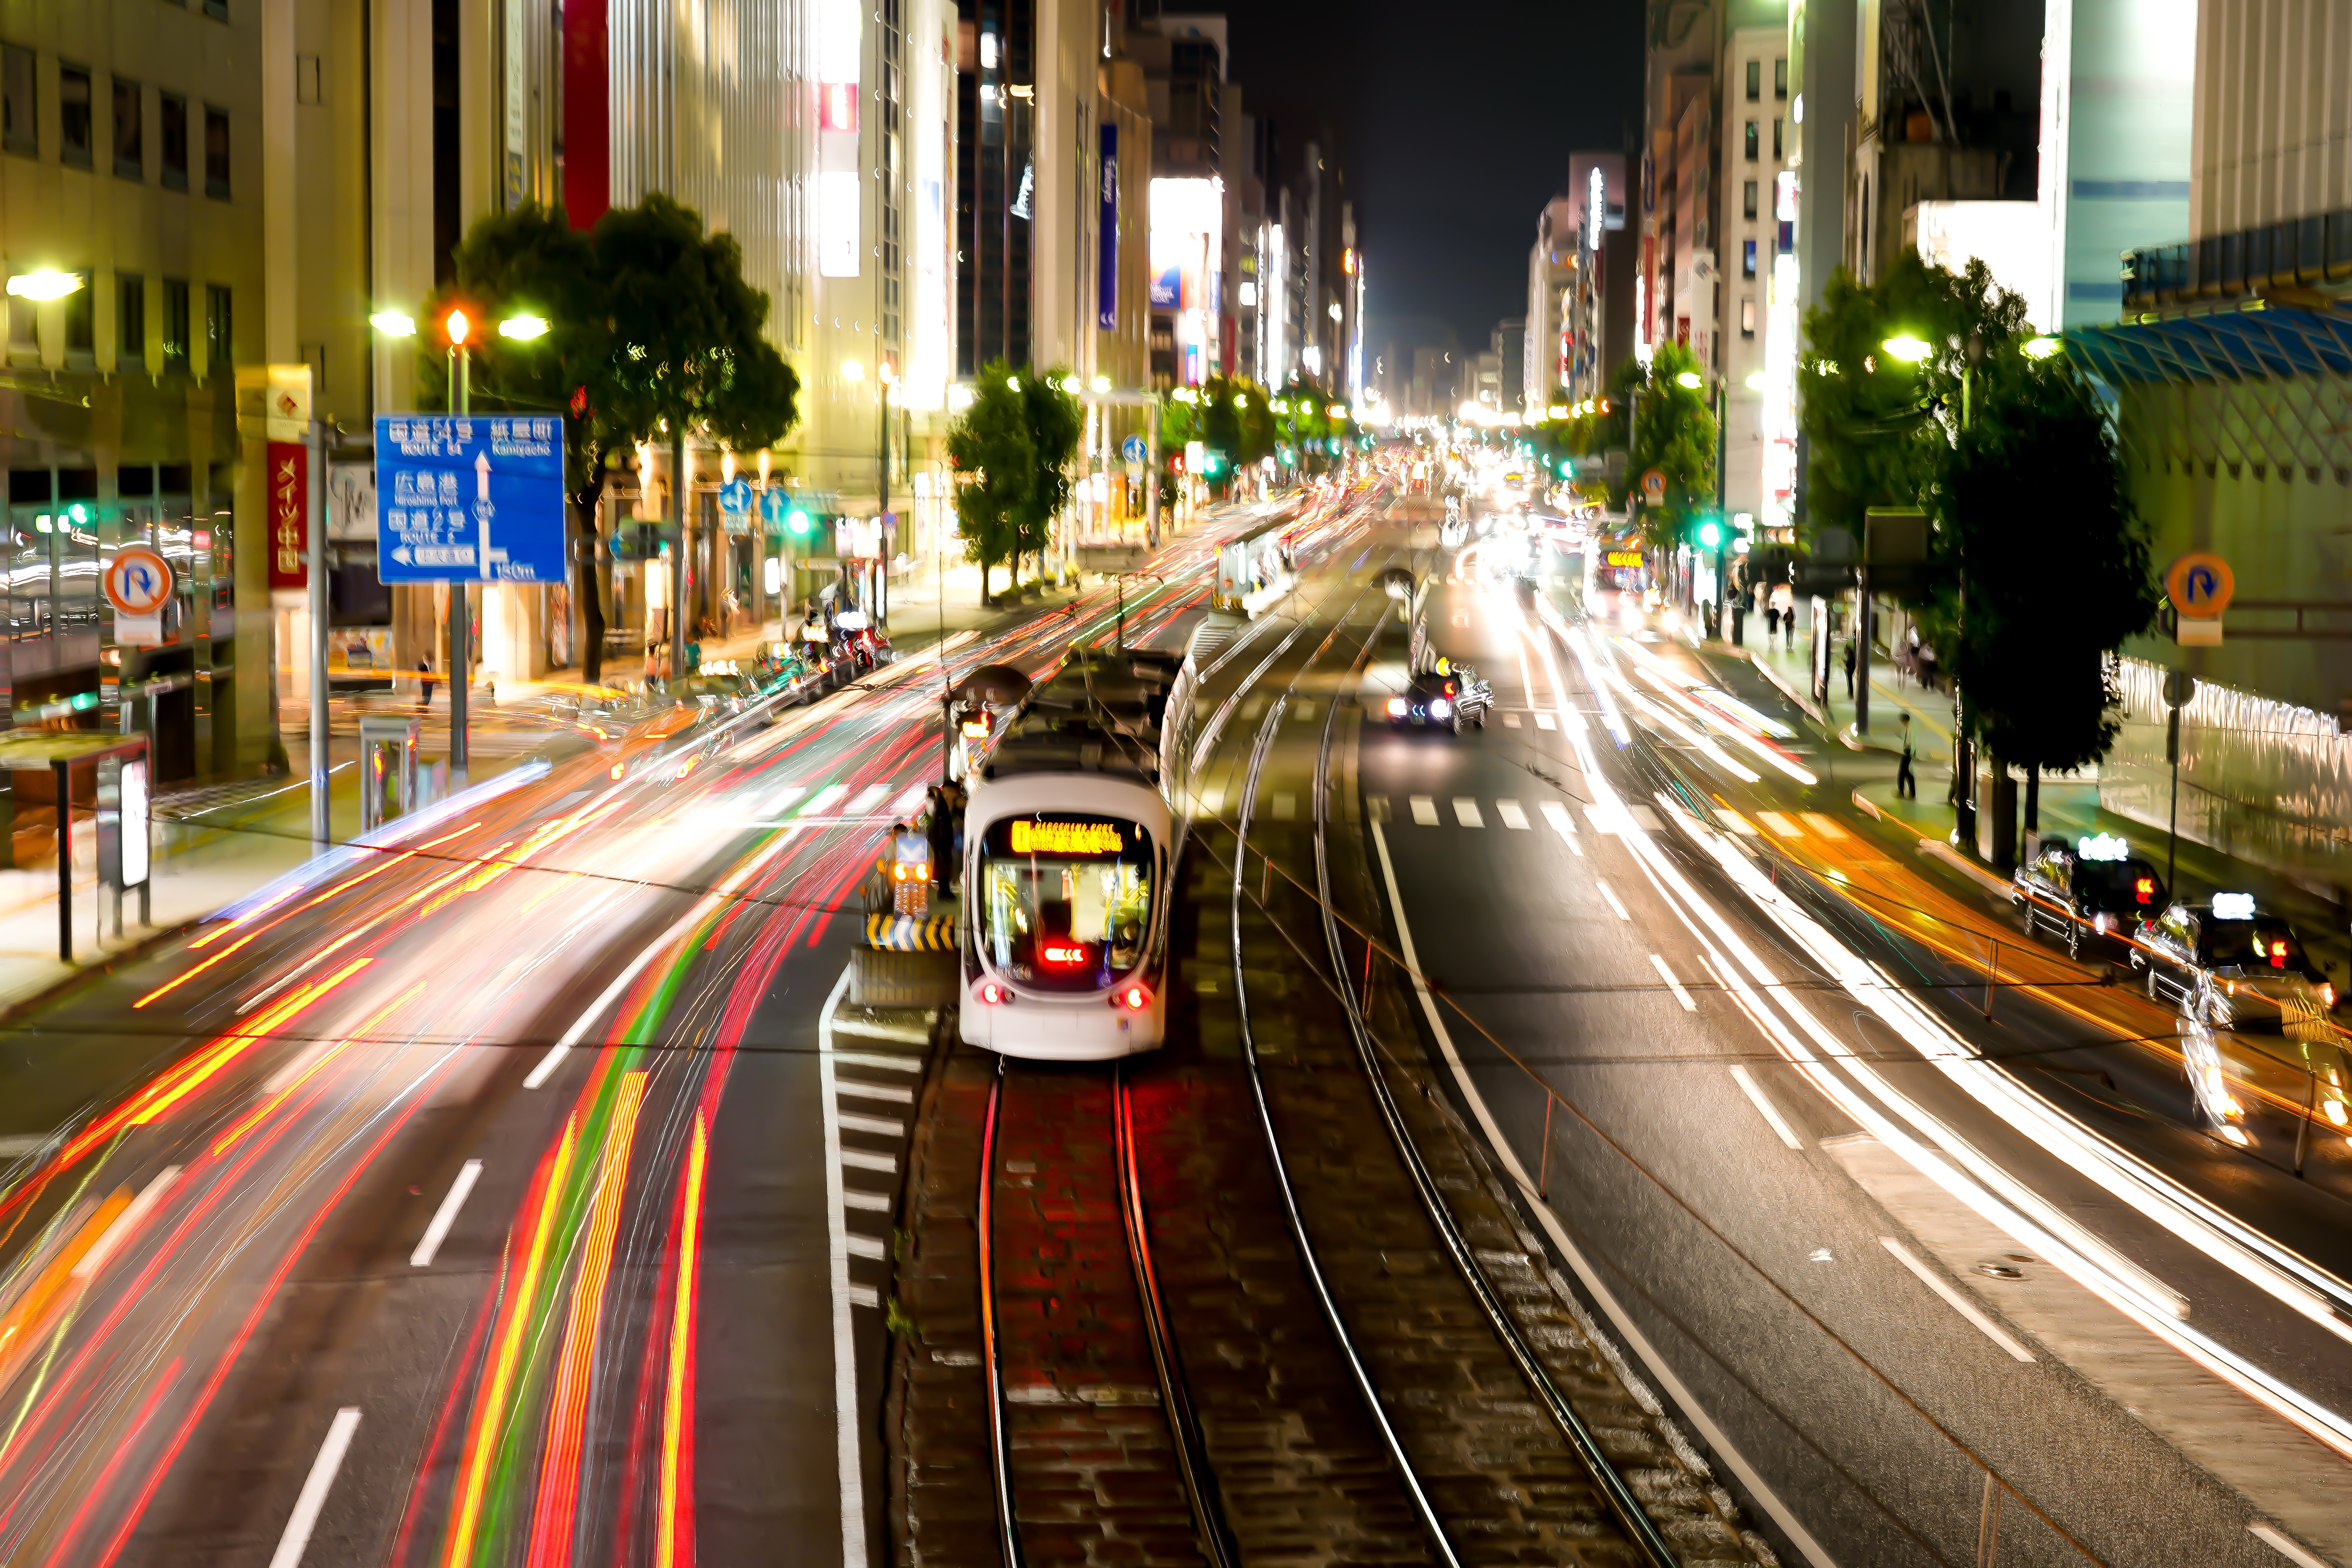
(1710, 533)
(797, 521)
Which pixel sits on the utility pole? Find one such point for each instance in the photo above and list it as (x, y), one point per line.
(678, 488)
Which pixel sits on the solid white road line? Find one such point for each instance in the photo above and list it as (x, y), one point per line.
(1424, 811)
(847, 1457)
(1512, 813)
(2278, 1540)
(1465, 810)
(313, 1497)
(1609, 893)
(445, 1216)
(1771, 1112)
(1672, 984)
(1958, 1302)
(1597, 1287)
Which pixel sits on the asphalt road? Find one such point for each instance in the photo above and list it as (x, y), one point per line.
(465, 1199)
(1640, 973)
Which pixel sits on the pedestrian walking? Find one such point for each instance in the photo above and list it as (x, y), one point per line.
(1906, 786)
(424, 685)
(1849, 668)
(1771, 623)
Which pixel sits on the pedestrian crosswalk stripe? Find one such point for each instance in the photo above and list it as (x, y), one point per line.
(1780, 824)
(1378, 804)
(1604, 820)
(867, 799)
(1826, 826)
(1424, 810)
(1545, 722)
(1467, 810)
(1738, 823)
(1557, 815)
(1511, 814)
(1510, 720)
(889, 1127)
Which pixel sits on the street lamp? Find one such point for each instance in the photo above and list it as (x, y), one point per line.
(1690, 380)
(44, 286)
(2043, 348)
(1907, 349)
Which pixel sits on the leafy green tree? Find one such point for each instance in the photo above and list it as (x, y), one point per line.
(1673, 432)
(2040, 567)
(994, 456)
(653, 332)
(1057, 425)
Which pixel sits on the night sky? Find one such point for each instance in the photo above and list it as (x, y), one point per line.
(1454, 120)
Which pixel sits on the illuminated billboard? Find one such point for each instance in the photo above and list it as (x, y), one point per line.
(1187, 242)
(838, 50)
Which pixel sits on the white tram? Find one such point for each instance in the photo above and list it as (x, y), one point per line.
(1070, 850)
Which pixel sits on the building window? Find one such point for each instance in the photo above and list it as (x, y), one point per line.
(1748, 259)
(129, 321)
(1748, 307)
(1750, 141)
(129, 130)
(171, 125)
(1755, 80)
(1780, 79)
(74, 138)
(1776, 140)
(175, 326)
(16, 132)
(218, 350)
(217, 152)
(81, 323)
(1747, 199)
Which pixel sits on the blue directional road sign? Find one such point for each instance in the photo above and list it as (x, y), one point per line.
(468, 499)
(773, 505)
(1134, 449)
(735, 495)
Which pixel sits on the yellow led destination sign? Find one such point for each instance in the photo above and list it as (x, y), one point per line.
(1065, 839)
(1624, 558)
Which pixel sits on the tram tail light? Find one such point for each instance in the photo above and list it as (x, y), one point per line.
(994, 993)
(1135, 996)
(2144, 888)
(1063, 954)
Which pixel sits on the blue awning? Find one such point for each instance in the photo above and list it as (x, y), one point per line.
(2245, 344)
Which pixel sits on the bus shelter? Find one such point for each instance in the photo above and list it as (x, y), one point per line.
(118, 766)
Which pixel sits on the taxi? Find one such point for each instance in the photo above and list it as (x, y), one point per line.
(2228, 965)
(2091, 891)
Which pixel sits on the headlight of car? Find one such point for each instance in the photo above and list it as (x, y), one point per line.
(2102, 921)
(1439, 708)
(1396, 706)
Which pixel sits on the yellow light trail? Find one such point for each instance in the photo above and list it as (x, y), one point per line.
(681, 1330)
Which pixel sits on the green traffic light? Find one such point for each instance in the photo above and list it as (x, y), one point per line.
(1709, 534)
(798, 522)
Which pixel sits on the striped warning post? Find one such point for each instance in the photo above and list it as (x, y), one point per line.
(904, 934)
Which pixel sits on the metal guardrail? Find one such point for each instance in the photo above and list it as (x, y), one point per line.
(2302, 253)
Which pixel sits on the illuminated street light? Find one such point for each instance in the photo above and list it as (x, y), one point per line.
(2042, 347)
(1690, 379)
(852, 371)
(523, 327)
(1102, 384)
(1909, 350)
(1755, 382)
(392, 324)
(457, 327)
(43, 287)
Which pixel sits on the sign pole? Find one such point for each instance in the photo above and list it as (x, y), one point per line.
(461, 612)
(318, 542)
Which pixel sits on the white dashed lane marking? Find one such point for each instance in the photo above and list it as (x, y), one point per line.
(1424, 810)
(1466, 811)
(1511, 813)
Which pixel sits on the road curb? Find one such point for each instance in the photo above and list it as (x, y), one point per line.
(1936, 848)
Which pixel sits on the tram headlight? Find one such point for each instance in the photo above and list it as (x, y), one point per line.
(1396, 706)
(1439, 708)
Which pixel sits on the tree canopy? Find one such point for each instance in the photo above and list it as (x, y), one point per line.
(1011, 450)
(652, 331)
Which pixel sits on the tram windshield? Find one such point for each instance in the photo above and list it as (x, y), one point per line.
(1065, 900)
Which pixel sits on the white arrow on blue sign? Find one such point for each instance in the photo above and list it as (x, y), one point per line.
(468, 499)
(735, 495)
(1133, 449)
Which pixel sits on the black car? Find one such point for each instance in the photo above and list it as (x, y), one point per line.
(2094, 891)
(2228, 965)
(1450, 696)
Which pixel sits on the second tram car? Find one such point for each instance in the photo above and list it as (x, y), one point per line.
(1070, 849)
